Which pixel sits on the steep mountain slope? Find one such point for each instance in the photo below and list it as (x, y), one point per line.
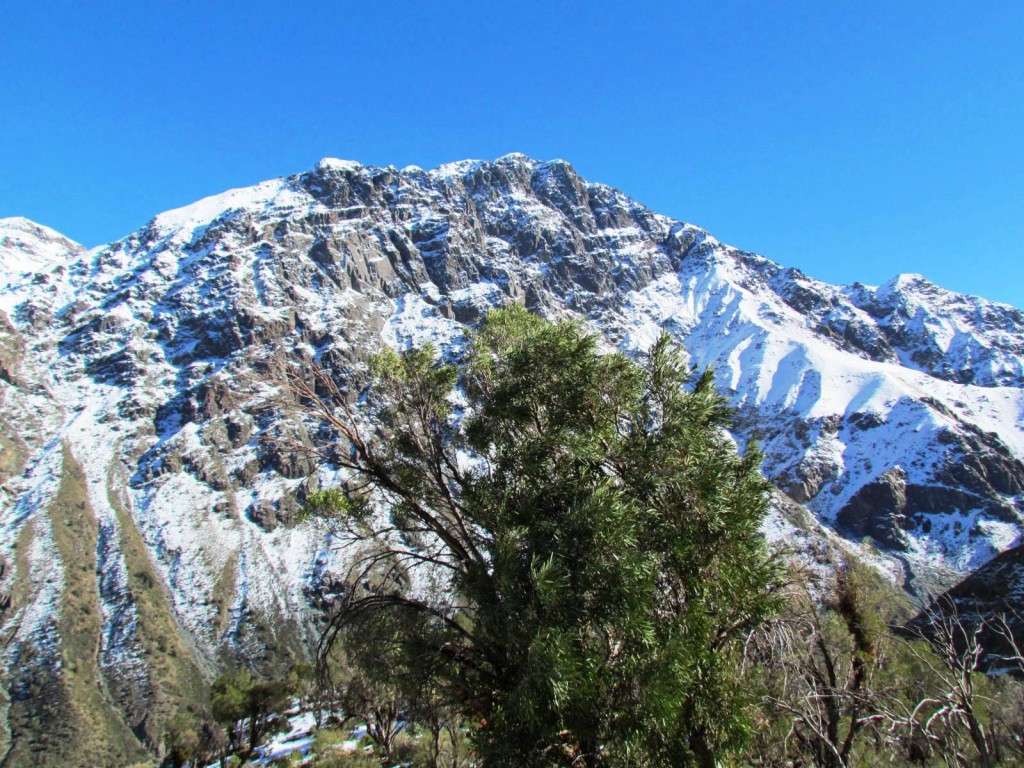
(143, 400)
(989, 600)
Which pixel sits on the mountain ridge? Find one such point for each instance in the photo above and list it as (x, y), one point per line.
(893, 413)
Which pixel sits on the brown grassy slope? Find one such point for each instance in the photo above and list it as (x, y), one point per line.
(63, 716)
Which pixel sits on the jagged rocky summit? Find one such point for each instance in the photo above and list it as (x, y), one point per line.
(148, 479)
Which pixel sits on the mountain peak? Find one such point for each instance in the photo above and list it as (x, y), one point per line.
(337, 164)
(28, 247)
(15, 225)
(516, 157)
(910, 281)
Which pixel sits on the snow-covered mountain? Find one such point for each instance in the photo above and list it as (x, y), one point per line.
(149, 478)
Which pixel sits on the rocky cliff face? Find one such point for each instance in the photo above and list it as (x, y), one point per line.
(143, 400)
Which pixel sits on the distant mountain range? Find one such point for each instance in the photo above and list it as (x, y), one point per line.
(149, 489)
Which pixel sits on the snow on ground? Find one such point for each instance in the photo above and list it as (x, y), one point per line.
(415, 323)
(25, 502)
(298, 737)
(36, 623)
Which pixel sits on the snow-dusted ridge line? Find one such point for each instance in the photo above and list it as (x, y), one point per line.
(28, 249)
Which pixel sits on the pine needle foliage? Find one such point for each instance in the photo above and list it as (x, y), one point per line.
(587, 533)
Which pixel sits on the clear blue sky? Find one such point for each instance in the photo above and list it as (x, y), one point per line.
(854, 140)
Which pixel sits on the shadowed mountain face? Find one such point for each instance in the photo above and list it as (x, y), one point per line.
(984, 609)
(143, 402)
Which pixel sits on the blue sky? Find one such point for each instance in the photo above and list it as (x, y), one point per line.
(854, 140)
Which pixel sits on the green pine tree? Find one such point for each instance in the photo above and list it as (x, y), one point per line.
(574, 533)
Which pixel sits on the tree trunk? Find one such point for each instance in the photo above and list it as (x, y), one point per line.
(435, 755)
(452, 731)
(977, 733)
(702, 750)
